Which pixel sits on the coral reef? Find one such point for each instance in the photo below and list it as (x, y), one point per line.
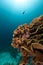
(28, 39)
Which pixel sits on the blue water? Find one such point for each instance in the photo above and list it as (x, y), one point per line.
(10, 18)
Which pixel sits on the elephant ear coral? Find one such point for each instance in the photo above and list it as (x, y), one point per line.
(28, 38)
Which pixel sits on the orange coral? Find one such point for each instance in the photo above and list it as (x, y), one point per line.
(29, 40)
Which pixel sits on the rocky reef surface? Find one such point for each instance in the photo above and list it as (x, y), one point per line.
(28, 39)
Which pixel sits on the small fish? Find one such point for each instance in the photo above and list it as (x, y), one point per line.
(23, 12)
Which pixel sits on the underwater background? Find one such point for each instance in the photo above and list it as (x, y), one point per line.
(11, 16)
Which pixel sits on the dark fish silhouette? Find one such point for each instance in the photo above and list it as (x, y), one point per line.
(23, 12)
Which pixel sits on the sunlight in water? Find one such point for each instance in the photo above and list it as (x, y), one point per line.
(20, 5)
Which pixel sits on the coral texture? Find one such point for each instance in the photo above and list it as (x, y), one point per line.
(28, 39)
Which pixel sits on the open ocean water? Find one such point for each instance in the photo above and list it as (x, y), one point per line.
(11, 16)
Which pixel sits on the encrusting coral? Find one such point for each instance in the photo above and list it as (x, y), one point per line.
(28, 38)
